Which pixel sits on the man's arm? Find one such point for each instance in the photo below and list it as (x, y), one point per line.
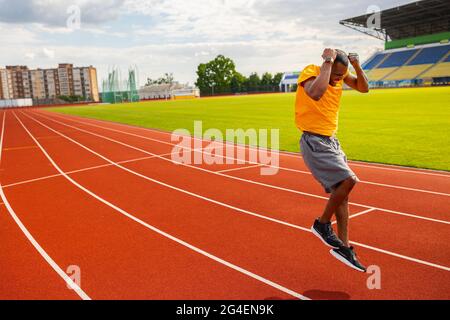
(360, 82)
(316, 87)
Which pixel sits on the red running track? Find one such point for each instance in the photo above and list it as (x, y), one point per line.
(107, 198)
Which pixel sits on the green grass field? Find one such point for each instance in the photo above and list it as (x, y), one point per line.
(409, 127)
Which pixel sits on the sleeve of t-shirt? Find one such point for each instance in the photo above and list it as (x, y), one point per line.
(309, 72)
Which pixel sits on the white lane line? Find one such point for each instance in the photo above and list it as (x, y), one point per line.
(438, 266)
(221, 203)
(238, 178)
(32, 240)
(250, 162)
(378, 184)
(368, 164)
(407, 188)
(31, 180)
(82, 170)
(357, 214)
(241, 168)
(393, 168)
(148, 226)
(380, 166)
(69, 172)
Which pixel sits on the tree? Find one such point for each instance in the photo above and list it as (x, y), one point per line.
(277, 79)
(72, 98)
(238, 83)
(216, 75)
(220, 76)
(166, 79)
(266, 79)
(203, 79)
(253, 82)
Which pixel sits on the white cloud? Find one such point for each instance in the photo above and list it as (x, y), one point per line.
(48, 53)
(211, 20)
(176, 35)
(55, 12)
(15, 34)
(30, 55)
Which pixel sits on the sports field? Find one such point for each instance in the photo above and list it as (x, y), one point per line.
(409, 127)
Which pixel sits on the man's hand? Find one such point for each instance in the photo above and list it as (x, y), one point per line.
(361, 82)
(354, 60)
(316, 87)
(329, 53)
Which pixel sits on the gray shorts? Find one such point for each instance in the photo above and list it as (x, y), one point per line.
(326, 160)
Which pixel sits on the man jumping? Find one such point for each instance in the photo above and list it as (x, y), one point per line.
(316, 113)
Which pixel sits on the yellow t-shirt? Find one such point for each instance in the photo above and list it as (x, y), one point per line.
(317, 116)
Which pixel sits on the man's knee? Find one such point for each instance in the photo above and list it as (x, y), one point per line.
(351, 181)
(346, 184)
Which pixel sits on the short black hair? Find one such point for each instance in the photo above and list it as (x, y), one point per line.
(341, 57)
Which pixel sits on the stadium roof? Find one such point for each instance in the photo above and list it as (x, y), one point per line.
(411, 20)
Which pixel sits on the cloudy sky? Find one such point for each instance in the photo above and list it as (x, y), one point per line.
(176, 35)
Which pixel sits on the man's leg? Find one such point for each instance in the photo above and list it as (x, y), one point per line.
(337, 198)
(342, 215)
(336, 204)
(345, 253)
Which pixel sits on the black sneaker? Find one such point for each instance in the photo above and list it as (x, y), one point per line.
(348, 256)
(325, 232)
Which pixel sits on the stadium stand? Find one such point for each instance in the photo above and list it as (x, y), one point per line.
(168, 91)
(417, 49)
(374, 61)
(397, 59)
(416, 46)
(407, 72)
(380, 73)
(288, 81)
(439, 70)
(430, 55)
(408, 64)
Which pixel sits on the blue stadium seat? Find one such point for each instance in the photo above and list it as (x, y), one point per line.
(291, 77)
(398, 59)
(447, 59)
(374, 61)
(430, 55)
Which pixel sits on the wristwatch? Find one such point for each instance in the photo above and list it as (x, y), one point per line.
(329, 60)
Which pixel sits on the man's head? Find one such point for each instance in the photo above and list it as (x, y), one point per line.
(340, 67)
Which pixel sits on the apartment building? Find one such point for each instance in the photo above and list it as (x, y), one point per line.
(37, 84)
(85, 82)
(6, 89)
(51, 83)
(65, 76)
(18, 82)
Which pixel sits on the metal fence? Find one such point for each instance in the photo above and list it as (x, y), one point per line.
(16, 103)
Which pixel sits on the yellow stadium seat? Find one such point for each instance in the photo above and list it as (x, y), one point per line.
(439, 70)
(408, 72)
(378, 74)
